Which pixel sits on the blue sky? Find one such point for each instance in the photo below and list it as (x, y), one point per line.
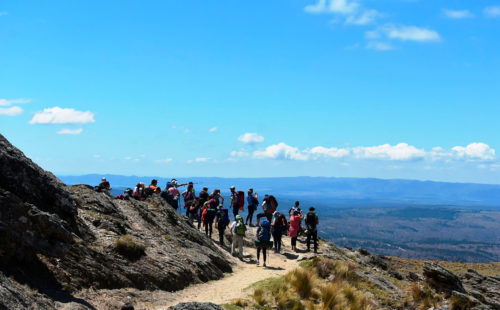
(389, 89)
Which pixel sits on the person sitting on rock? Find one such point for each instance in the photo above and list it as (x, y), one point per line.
(139, 191)
(154, 185)
(103, 186)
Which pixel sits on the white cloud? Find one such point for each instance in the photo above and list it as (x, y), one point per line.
(379, 46)
(401, 151)
(319, 7)
(199, 160)
(492, 11)
(280, 151)
(96, 156)
(213, 129)
(59, 115)
(458, 14)
(70, 131)
(164, 160)
(251, 138)
(475, 151)
(366, 18)
(7, 102)
(12, 111)
(181, 128)
(411, 33)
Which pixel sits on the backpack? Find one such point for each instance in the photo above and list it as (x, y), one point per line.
(169, 185)
(224, 219)
(240, 228)
(270, 204)
(241, 199)
(311, 221)
(188, 196)
(280, 222)
(264, 234)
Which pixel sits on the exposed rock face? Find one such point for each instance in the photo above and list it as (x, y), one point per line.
(57, 240)
(441, 278)
(195, 306)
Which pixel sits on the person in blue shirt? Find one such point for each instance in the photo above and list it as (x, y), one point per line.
(252, 202)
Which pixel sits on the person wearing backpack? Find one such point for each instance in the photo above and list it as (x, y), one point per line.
(209, 215)
(253, 202)
(269, 205)
(189, 198)
(222, 221)
(295, 228)
(263, 240)
(277, 226)
(238, 229)
(175, 193)
(234, 202)
(202, 197)
(312, 222)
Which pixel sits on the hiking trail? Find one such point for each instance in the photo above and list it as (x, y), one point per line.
(245, 273)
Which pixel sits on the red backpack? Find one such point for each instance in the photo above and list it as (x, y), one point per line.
(241, 199)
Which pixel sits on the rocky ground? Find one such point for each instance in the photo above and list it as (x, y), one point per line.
(73, 248)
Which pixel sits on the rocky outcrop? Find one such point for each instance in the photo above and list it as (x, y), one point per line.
(56, 240)
(441, 278)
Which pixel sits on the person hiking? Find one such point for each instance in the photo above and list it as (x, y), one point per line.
(252, 201)
(189, 198)
(296, 207)
(234, 202)
(295, 228)
(222, 221)
(202, 198)
(139, 191)
(278, 225)
(175, 193)
(194, 210)
(208, 216)
(312, 222)
(238, 229)
(103, 186)
(263, 240)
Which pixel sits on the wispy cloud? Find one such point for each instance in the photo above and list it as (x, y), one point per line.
(365, 18)
(492, 11)
(181, 128)
(251, 138)
(3, 13)
(164, 160)
(70, 131)
(404, 33)
(458, 14)
(12, 111)
(59, 115)
(199, 160)
(9, 102)
(213, 129)
(333, 6)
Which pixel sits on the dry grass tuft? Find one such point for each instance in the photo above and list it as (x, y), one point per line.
(303, 282)
(129, 247)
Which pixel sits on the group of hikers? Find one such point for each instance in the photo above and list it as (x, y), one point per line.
(207, 209)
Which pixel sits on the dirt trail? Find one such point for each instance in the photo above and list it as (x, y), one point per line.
(245, 273)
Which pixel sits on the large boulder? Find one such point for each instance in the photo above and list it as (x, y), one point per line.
(441, 278)
(57, 240)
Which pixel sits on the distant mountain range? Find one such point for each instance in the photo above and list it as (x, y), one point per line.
(325, 190)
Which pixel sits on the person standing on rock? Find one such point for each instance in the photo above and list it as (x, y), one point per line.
(203, 197)
(208, 216)
(189, 198)
(295, 228)
(263, 240)
(217, 196)
(238, 229)
(253, 202)
(175, 193)
(312, 222)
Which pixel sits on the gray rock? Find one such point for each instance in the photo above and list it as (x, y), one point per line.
(195, 306)
(441, 278)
